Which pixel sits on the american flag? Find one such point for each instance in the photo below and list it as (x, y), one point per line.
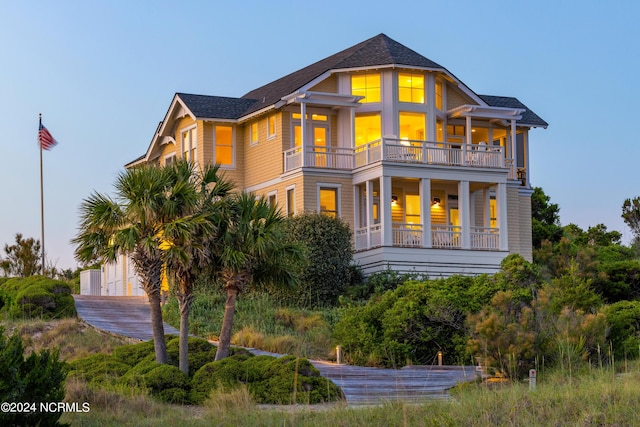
(45, 139)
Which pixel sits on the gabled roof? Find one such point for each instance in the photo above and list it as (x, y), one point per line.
(376, 51)
(218, 107)
(529, 118)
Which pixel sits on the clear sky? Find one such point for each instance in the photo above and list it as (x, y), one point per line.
(103, 74)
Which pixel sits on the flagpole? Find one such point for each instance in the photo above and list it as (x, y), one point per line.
(41, 195)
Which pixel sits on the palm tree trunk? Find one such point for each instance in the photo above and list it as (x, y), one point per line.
(157, 327)
(184, 302)
(227, 323)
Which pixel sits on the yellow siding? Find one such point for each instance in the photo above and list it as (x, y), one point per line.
(263, 161)
(329, 85)
(513, 219)
(310, 195)
(525, 227)
(455, 98)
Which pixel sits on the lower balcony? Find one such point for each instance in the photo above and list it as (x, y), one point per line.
(442, 237)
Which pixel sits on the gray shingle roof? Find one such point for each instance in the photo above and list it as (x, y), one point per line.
(378, 50)
(219, 107)
(528, 117)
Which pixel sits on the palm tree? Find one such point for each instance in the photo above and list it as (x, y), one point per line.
(250, 249)
(187, 240)
(133, 223)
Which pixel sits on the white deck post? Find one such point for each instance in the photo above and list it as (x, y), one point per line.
(465, 214)
(425, 201)
(501, 201)
(385, 208)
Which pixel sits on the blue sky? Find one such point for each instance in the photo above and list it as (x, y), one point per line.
(103, 74)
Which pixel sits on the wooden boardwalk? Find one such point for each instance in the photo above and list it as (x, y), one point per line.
(129, 316)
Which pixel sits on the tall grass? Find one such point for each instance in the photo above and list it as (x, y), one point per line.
(599, 397)
(261, 322)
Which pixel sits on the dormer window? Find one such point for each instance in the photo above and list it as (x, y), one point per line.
(411, 88)
(367, 85)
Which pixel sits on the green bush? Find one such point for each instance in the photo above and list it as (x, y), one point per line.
(133, 354)
(327, 269)
(167, 383)
(623, 319)
(201, 352)
(38, 378)
(99, 369)
(37, 297)
(269, 380)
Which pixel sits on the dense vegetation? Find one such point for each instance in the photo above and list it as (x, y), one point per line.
(35, 297)
(33, 380)
(267, 378)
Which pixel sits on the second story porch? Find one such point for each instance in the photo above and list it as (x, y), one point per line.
(395, 150)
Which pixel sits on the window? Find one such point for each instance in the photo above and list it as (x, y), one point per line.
(368, 128)
(170, 159)
(411, 88)
(318, 125)
(412, 210)
(328, 201)
(189, 145)
(455, 133)
(439, 95)
(367, 85)
(254, 133)
(291, 201)
(439, 130)
(271, 126)
(223, 148)
(412, 126)
(271, 197)
(314, 117)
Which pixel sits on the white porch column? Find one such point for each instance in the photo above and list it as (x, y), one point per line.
(369, 213)
(385, 208)
(303, 132)
(465, 213)
(501, 202)
(467, 139)
(514, 154)
(425, 201)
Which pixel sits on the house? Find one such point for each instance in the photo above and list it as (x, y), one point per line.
(431, 176)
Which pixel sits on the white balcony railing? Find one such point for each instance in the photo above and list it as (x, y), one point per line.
(443, 237)
(485, 238)
(398, 150)
(407, 235)
(446, 236)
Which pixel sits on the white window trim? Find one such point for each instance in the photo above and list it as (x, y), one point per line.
(194, 136)
(233, 146)
(286, 192)
(273, 194)
(271, 133)
(169, 156)
(251, 135)
(338, 188)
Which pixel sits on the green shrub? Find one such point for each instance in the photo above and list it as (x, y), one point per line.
(201, 352)
(623, 319)
(133, 354)
(37, 296)
(38, 378)
(99, 369)
(167, 383)
(327, 270)
(269, 380)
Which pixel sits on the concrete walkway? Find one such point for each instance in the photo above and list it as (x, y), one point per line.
(129, 316)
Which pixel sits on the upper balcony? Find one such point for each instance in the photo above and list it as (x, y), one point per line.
(400, 151)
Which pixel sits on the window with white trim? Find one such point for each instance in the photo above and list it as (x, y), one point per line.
(189, 143)
(291, 201)
(271, 126)
(254, 133)
(170, 159)
(223, 146)
(329, 200)
(272, 198)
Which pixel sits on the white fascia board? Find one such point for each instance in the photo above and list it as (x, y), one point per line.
(486, 112)
(258, 113)
(177, 106)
